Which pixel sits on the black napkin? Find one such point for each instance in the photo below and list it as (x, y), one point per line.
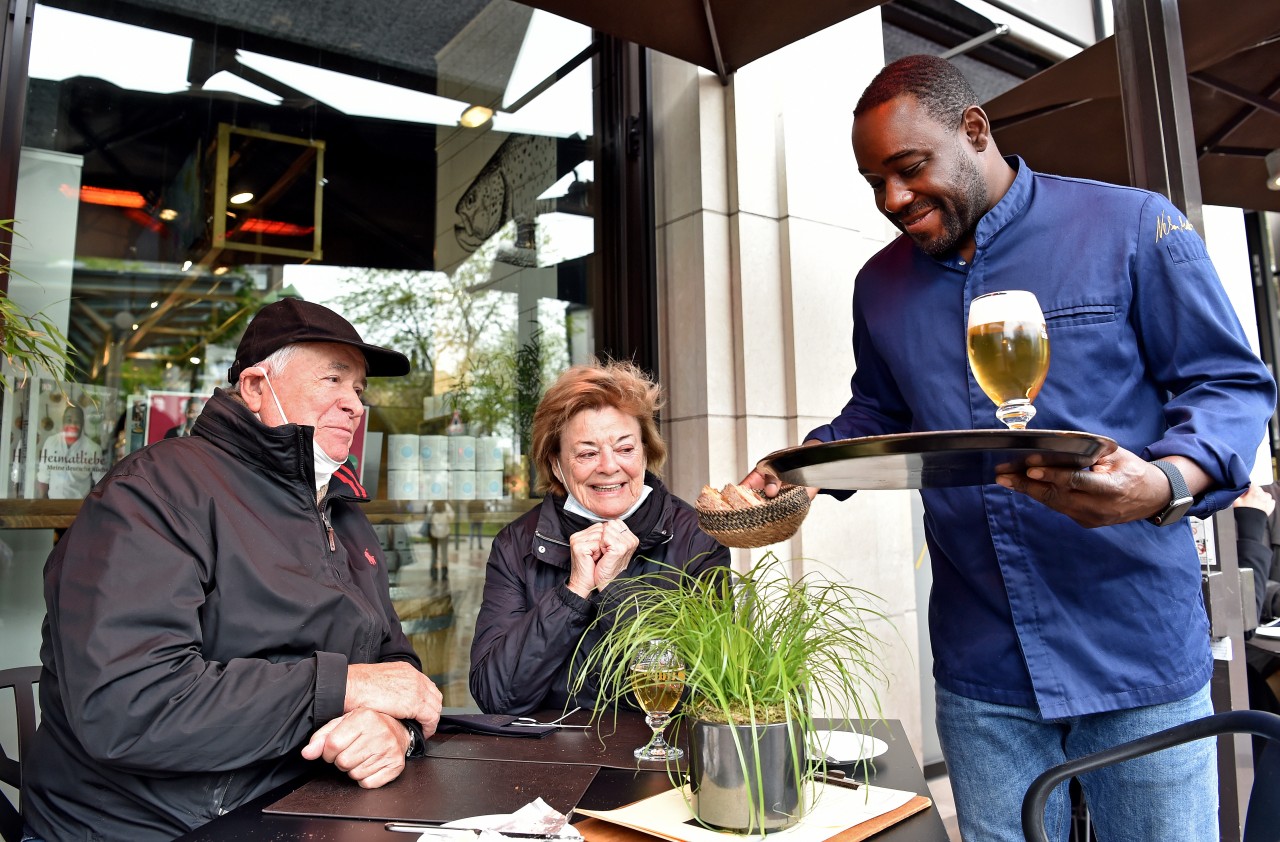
(489, 723)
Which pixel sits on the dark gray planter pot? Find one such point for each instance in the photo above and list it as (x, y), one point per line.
(726, 795)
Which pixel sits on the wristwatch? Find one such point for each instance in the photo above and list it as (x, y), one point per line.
(1182, 498)
(413, 741)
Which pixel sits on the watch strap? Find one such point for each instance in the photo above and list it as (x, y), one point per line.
(1180, 497)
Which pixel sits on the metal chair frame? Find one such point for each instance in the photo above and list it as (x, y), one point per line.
(1262, 822)
(23, 681)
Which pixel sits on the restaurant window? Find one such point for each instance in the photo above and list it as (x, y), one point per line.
(425, 168)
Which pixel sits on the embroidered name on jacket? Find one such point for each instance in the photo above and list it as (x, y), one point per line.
(1166, 224)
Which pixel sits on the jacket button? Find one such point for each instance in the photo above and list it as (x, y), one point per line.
(542, 549)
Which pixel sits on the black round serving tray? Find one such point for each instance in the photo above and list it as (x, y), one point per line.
(935, 459)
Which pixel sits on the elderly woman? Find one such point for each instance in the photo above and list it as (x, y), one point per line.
(606, 518)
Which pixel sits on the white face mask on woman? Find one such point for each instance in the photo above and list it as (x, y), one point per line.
(325, 465)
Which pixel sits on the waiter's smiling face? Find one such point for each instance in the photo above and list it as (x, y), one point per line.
(925, 175)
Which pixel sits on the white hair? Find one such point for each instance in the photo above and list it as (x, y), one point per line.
(275, 364)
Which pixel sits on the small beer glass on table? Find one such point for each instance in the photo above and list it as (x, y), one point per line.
(657, 679)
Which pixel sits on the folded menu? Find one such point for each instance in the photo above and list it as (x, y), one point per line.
(441, 789)
(846, 814)
(489, 723)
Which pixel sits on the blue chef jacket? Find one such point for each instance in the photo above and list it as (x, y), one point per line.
(1028, 608)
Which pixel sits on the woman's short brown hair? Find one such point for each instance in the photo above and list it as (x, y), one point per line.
(619, 385)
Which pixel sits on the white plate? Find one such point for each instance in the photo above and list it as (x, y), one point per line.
(497, 819)
(846, 746)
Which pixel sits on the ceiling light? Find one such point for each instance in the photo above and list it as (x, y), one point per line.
(195, 361)
(112, 198)
(1273, 169)
(475, 117)
(155, 304)
(241, 198)
(168, 214)
(186, 265)
(221, 270)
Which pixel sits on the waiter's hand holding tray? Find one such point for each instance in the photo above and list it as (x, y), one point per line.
(935, 459)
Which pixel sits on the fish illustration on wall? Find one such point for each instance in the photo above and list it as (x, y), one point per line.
(506, 189)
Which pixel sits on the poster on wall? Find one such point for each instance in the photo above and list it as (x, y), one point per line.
(1202, 531)
(70, 437)
(135, 431)
(171, 414)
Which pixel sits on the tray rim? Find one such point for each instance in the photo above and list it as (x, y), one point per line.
(1085, 447)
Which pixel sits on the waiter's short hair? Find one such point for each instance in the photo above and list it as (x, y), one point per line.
(937, 84)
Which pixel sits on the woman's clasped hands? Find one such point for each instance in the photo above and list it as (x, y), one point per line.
(599, 554)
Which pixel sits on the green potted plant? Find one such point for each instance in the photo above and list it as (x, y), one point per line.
(763, 655)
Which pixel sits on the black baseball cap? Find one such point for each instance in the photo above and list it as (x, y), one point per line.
(292, 320)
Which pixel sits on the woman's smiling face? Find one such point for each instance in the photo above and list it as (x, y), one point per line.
(602, 460)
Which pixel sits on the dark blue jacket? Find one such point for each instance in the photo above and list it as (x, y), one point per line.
(1028, 608)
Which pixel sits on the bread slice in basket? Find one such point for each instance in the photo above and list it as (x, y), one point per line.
(738, 516)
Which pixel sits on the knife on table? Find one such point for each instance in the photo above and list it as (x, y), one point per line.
(406, 827)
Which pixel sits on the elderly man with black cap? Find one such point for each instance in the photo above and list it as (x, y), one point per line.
(218, 613)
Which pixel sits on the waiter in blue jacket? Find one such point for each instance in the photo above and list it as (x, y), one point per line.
(1066, 613)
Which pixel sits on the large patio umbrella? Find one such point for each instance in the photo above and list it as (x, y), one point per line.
(720, 35)
(1069, 119)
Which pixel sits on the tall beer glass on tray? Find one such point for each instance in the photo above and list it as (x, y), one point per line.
(1009, 352)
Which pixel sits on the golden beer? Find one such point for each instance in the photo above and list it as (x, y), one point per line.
(1009, 359)
(1009, 352)
(657, 679)
(657, 690)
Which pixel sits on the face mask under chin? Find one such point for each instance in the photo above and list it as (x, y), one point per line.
(324, 464)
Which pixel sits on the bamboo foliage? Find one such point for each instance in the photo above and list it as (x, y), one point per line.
(30, 343)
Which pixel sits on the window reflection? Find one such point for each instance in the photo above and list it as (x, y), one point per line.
(468, 249)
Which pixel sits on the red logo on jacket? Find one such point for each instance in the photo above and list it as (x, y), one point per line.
(369, 556)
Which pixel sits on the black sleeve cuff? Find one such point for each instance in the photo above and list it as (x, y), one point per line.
(419, 741)
(582, 607)
(1251, 524)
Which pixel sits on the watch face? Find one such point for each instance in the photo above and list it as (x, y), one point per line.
(1174, 512)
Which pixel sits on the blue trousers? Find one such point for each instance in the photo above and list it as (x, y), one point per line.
(994, 752)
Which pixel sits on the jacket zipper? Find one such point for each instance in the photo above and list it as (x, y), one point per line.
(220, 794)
(542, 537)
(328, 530)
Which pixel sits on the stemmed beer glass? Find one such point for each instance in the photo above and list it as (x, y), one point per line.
(657, 679)
(1009, 352)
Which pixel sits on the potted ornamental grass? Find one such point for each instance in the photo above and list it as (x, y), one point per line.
(761, 656)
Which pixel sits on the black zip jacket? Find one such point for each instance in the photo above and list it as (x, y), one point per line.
(530, 623)
(202, 611)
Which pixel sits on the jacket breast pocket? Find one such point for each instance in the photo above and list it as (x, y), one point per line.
(1079, 315)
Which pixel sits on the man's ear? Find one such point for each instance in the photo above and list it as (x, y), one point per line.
(251, 388)
(977, 128)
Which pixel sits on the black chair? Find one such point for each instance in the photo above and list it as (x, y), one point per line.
(22, 680)
(1262, 822)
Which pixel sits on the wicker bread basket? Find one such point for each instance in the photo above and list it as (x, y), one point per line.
(759, 526)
